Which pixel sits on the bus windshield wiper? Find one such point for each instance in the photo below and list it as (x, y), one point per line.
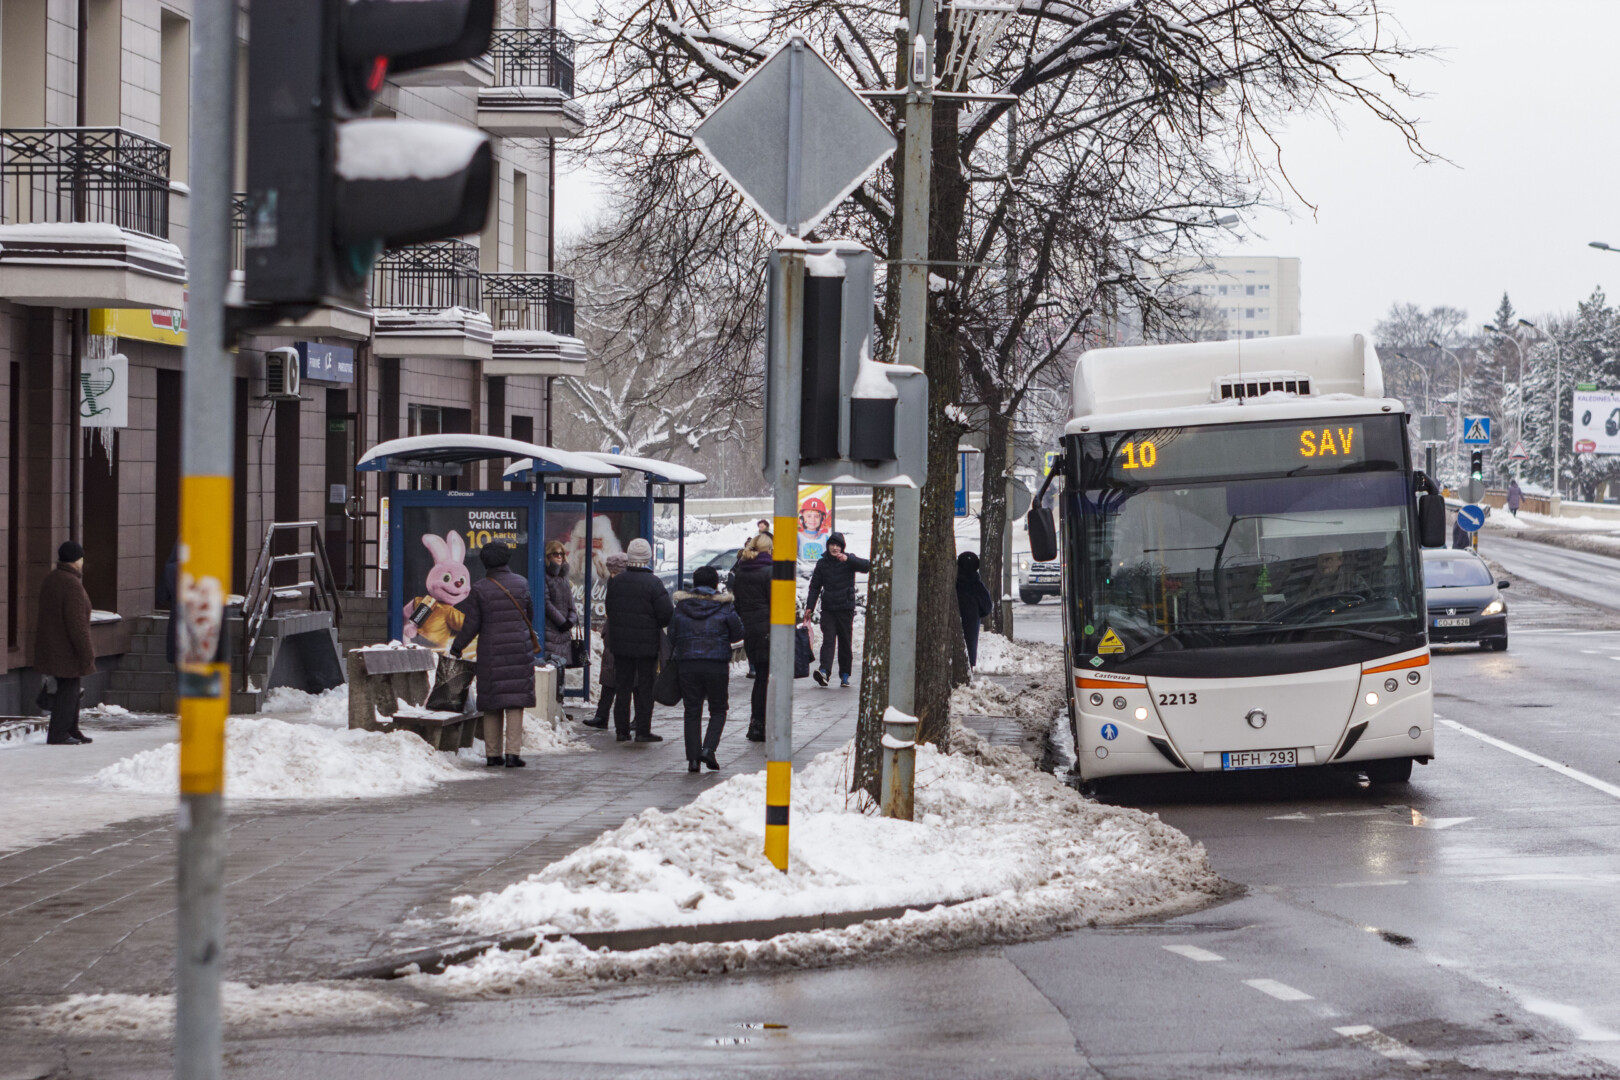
(1186, 626)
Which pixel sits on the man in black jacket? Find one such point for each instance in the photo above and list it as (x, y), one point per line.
(833, 583)
(705, 629)
(751, 584)
(638, 609)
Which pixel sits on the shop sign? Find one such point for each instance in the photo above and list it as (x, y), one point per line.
(166, 326)
(104, 392)
(325, 363)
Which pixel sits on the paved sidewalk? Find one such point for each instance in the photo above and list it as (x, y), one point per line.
(313, 889)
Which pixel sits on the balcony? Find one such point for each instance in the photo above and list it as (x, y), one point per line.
(533, 95)
(84, 220)
(533, 320)
(476, 72)
(426, 301)
(322, 322)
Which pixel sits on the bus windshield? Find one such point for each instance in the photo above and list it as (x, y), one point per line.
(1205, 563)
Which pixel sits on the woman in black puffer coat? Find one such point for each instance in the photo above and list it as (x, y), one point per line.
(500, 615)
(751, 585)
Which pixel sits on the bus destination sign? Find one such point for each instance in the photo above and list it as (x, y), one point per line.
(1333, 445)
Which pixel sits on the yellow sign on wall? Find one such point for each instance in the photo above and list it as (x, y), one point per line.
(166, 326)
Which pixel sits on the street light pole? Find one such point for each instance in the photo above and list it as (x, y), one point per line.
(1520, 389)
(1447, 352)
(1423, 371)
(1558, 394)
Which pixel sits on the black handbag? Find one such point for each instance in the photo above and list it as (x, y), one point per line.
(803, 654)
(579, 651)
(667, 687)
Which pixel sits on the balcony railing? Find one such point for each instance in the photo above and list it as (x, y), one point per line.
(427, 277)
(530, 302)
(538, 57)
(103, 175)
(238, 231)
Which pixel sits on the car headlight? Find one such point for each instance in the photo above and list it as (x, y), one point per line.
(1023, 564)
(1495, 607)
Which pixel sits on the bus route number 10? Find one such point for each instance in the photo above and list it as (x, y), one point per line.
(1142, 455)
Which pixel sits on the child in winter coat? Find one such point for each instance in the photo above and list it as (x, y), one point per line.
(705, 629)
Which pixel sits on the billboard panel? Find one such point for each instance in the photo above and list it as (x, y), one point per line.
(815, 520)
(611, 532)
(440, 561)
(1597, 422)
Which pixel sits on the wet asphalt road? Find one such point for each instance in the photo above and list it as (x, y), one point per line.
(1461, 925)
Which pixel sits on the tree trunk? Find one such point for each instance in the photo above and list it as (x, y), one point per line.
(993, 508)
(868, 775)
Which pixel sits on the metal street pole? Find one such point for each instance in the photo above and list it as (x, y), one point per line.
(787, 359)
(918, 172)
(205, 552)
(1519, 390)
(1462, 470)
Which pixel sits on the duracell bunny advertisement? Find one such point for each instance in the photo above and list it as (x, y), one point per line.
(441, 563)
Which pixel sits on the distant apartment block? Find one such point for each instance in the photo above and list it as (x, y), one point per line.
(1246, 296)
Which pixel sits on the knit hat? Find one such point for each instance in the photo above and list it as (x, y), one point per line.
(969, 561)
(615, 563)
(494, 554)
(70, 551)
(837, 538)
(639, 553)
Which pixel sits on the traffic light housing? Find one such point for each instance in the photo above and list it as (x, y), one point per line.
(1474, 490)
(328, 191)
(860, 422)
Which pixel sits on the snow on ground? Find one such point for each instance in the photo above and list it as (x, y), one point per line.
(329, 709)
(246, 1009)
(266, 758)
(1027, 854)
(998, 656)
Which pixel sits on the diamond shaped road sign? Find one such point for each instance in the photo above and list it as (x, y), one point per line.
(794, 138)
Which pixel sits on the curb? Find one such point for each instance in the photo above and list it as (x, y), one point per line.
(435, 959)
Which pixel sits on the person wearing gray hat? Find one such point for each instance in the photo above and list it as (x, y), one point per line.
(638, 609)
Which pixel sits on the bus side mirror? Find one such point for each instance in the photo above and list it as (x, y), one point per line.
(1432, 521)
(1043, 534)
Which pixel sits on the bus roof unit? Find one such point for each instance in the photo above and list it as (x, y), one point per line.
(1146, 378)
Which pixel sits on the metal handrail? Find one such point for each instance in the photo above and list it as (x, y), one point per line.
(540, 56)
(530, 302)
(106, 175)
(259, 602)
(427, 277)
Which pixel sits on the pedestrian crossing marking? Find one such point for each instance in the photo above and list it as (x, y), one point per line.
(1477, 429)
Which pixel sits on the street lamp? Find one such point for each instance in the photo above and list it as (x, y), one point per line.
(1520, 390)
(1558, 393)
(1433, 344)
(1421, 371)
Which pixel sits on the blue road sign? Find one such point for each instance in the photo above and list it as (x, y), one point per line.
(1471, 517)
(1110, 732)
(961, 485)
(1477, 430)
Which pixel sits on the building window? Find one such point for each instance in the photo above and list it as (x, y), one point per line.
(175, 93)
(520, 222)
(1248, 313)
(1248, 290)
(1265, 290)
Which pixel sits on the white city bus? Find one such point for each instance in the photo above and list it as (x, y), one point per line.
(1242, 577)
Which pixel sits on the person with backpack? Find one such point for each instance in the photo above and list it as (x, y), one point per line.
(973, 601)
(751, 585)
(499, 615)
(704, 629)
(833, 583)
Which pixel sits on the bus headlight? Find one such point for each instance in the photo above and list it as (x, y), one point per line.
(1141, 712)
(1494, 607)
(1372, 699)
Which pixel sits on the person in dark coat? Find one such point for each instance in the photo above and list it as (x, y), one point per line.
(638, 609)
(606, 691)
(833, 583)
(500, 615)
(704, 630)
(62, 646)
(1515, 498)
(751, 585)
(561, 614)
(167, 590)
(973, 601)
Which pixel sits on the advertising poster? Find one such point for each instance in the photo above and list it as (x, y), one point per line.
(815, 520)
(1597, 422)
(611, 533)
(441, 564)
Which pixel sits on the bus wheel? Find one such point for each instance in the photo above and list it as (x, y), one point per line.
(1029, 597)
(1095, 789)
(1389, 770)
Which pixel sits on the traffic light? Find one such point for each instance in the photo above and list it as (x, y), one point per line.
(328, 191)
(860, 422)
(1475, 488)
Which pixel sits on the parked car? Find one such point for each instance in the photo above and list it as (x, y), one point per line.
(1038, 579)
(1464, 599)
(722, 559)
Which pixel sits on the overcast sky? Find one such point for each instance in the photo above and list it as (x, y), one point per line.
(1522, 98)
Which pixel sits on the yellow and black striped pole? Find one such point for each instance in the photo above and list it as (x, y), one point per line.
(785, 361)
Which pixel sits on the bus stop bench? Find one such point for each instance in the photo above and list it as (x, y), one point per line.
(412, 689)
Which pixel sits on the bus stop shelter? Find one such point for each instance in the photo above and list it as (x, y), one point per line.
(431, 538)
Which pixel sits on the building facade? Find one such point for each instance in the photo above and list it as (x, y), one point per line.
(1246, 296)
(461, 336)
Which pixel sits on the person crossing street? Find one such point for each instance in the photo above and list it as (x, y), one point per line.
(833, 584)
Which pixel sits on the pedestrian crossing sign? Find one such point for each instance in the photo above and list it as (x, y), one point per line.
(1110, 643)
(1477, 430)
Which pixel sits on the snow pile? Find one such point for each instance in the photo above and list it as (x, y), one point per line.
(539, 738)
(1027, 854)
(104, 710)
(1037, 699)
(329, 709)
(999, 656)
(246, 1008)
(20, 734)
(267, 758)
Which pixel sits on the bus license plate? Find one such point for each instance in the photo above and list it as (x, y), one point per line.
(1451, 622)
(1260, 759)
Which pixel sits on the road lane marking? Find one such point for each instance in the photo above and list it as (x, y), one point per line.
(1373, 1039)
(1280, 991)
(1574, 774)
(1193, 952)
(1585, 1028)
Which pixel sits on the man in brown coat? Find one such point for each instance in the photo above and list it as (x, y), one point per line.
(62, 647)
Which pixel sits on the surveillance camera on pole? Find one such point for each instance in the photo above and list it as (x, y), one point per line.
(329, 190)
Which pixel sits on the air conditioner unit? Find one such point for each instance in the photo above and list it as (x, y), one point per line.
(281, 374)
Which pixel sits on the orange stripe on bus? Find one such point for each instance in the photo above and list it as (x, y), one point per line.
(1413, 661)
(1104, 684)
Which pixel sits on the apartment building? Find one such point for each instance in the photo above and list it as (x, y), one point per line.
(461, 336)
(1246, 296)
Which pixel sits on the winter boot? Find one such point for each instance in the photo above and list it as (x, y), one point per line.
(494, 761)
(514, 762)
(820, 677)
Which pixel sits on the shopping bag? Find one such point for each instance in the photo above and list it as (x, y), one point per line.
(667, 687)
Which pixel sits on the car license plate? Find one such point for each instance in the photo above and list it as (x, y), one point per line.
(1260, 759)
(1451, 622)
